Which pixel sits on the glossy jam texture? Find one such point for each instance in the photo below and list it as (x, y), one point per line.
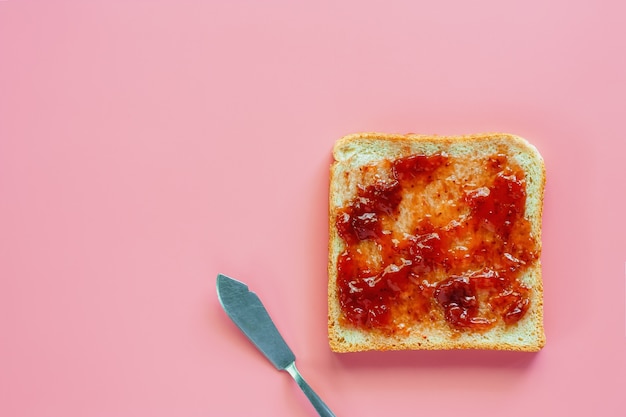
(459, 261)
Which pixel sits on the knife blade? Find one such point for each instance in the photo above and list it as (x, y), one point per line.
(246, 310)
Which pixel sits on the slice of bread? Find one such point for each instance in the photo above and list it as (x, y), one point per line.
(435, 243)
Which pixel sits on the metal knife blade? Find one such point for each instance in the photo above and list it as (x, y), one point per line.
(245, 309)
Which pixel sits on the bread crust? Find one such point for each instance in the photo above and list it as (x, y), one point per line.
(357, 150)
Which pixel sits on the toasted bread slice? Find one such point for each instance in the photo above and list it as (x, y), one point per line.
(435, 243)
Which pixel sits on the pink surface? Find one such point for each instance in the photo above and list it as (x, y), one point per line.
(147, 146)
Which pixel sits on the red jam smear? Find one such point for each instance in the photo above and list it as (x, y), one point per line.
(423, 276)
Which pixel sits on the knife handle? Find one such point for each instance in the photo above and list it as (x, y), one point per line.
(319, 405)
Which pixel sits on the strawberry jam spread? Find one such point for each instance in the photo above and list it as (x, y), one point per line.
(426, 241)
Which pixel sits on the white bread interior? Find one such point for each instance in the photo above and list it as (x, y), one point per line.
(358, 150)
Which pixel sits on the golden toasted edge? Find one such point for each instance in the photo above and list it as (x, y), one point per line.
(338, 335)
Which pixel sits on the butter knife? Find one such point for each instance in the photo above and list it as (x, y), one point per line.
(246, 310)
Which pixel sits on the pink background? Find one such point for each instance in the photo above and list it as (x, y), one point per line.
(146, 146)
